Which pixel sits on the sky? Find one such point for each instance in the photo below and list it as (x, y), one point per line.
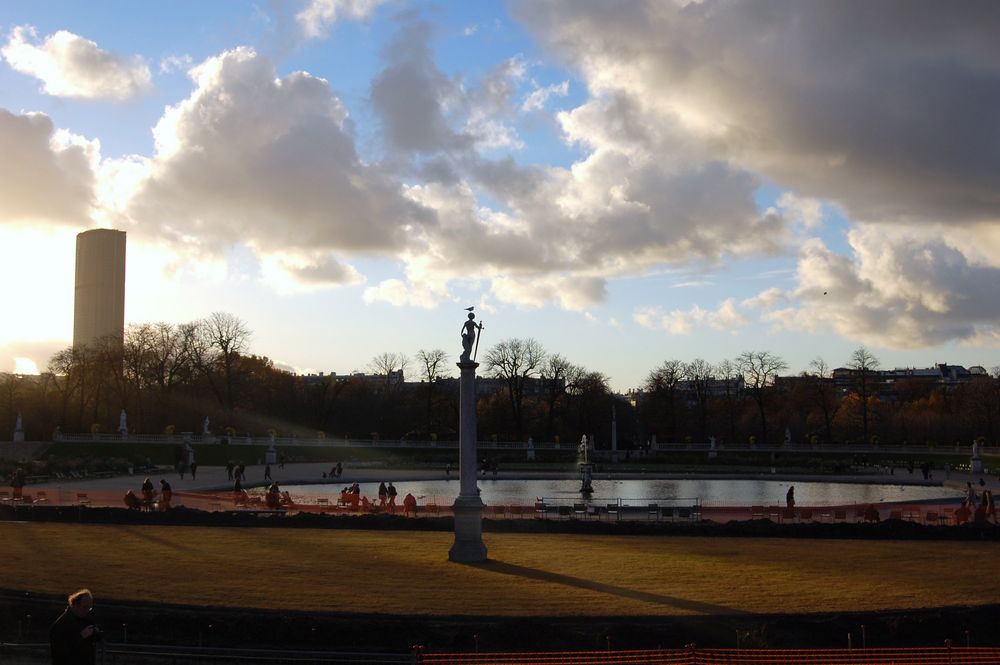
(625, 182)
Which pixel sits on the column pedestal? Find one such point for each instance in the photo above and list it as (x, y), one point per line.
(468, 507)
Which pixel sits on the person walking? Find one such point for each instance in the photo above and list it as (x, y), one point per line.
(194, 470)
(790, 497)
(267, 472)
(73, 636)
(392, 493)
(970, 496)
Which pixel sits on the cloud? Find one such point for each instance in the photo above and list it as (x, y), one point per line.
(318, 16)
(888, 109)
(765, 299)
(807, 212)
(399, 293)
(679, 322)
(410, 94)
(173, 63)
(45, 174)
(539, 97)
(292, 271)
(268, 162)
(572, 292)
(71, 66)
(900, 288)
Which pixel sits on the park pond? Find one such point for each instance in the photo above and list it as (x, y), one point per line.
(707, 492)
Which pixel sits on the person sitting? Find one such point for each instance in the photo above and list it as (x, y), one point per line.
(273, 497)
(166, 494)
(871, 514)
(409, 504)
(286, 500)
(962, 515)
(132, 502)
(366, 505)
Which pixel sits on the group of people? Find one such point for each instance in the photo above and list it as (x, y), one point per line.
(980, 506)
(147, 497)
(275, 498)
(387, 494)
(336, 471)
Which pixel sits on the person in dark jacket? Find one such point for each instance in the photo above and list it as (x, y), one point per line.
(73, 636)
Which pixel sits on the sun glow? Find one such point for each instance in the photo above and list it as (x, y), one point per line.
(25, 366)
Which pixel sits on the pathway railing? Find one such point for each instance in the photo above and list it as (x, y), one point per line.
(566, 447)
(695, 656)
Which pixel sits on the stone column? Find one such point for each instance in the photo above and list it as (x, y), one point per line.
(468, 507)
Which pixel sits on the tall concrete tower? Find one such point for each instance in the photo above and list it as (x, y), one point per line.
(99, 303)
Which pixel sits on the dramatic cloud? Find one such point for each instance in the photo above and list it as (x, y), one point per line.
(45, 175)
(71, 66)
(885, 111)
(901, 288)
(268, 162)
(318, 16)
(555, 234)
(887, 108)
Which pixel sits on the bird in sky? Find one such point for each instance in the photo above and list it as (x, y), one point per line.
(469, 309)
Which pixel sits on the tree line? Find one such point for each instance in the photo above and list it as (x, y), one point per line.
(169, 377)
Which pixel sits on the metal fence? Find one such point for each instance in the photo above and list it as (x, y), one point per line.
(108, 654)
(693, 656)
(145, 654)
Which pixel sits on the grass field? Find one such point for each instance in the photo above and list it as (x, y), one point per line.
(407, 573)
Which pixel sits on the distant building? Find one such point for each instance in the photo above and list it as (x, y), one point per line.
(99, 298)
(884, 382)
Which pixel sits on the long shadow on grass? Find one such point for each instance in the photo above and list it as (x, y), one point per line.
(144, 534)
(502, 568)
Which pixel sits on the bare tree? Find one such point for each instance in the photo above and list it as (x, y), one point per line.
(558, 376)
(226, 337)
(863, 365)
(662, 384)
(824, 394)
(759, 369)
(729, 373)
(699, 373)
(514, 361)
(432, 362)
(390, 365)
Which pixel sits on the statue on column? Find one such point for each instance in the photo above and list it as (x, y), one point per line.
(123, 423)
(204, 427)
(469, 337)
(18, 425)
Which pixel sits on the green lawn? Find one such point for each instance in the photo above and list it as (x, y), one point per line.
(402, 572)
